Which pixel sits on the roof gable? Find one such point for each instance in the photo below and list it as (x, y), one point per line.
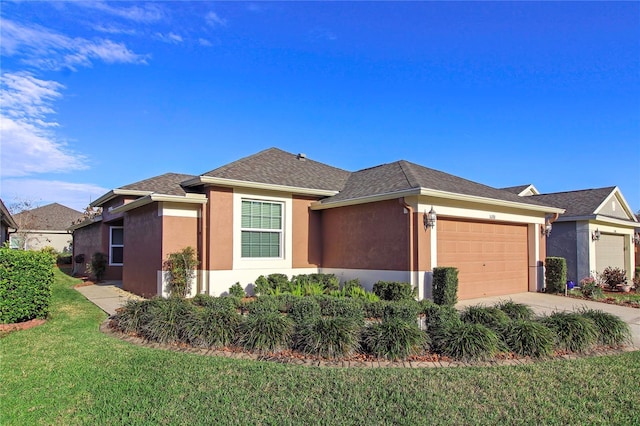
(52, 217)
(606, 201)
(523, 190)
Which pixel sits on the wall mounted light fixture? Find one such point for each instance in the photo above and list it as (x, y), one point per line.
(595, 235)
(546, 228)
(429, 219)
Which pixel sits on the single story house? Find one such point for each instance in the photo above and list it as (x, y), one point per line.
(6, 223)
(596, 230)
(280, 212)
(45, 226)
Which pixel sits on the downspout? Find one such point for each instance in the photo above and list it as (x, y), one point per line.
(410, 242)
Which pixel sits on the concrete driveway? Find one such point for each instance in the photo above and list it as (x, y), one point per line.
(542, 304)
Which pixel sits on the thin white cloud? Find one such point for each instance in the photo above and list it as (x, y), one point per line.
(144, 12)
(40, 191)
(112, 29)
(28, 143)
(204, 42)
(46, 49)
(214, 20)
(170, 38)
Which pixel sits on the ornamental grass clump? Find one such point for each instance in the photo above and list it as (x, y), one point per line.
(265, 331)
(469, 341)
(529, 338)
(488, 316)
(167, 320)
(612, 331)
(134, 315)
(329, 337)
(438, 320)
(574, 332)
(343, 307)
(394, 339)
(516, 311)
(212, 326)
(404, 310)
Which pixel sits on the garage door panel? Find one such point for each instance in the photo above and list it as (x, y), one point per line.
(491, 258)
(610, 252)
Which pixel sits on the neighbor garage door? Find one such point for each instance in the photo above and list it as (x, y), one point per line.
(491, 257)
(610, 252)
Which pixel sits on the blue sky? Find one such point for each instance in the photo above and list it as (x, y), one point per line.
(96, 95)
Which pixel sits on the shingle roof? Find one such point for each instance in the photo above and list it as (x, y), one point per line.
(403, 175)
(52, 217)
(168, 183)
(277, 167)
(516, 189)
(5, 216)
(576, 203)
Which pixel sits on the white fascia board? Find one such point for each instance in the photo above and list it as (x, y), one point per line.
(618, 194)
(116, 192)
(601, 219)
(152, 198)
(208, 180)
(362, 200)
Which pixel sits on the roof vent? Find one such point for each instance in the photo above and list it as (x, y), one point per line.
(302, 156)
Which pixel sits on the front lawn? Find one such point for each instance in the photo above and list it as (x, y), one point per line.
(631, 299)
(67, 372)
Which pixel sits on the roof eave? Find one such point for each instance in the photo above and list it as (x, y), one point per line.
(84, 223)
(491, 201)
(152, 198)
(234, 183)
(599, 218)
(117, 192)
(362, 200)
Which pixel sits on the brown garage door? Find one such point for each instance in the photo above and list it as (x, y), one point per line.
(491, 257)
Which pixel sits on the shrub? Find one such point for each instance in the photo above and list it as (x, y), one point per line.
(98, 265)
(612, 331)
(488, 316)
(212, 326)
(426, 304)
(265, 331)
(375, 309)
(528, 338)
(555, 274)
(328, 337)
(304, 308)
(404, 310)
(346, 308)
(206, 301)
(349, 284)
(64, 259)
(167, 320)
(469, 341)
(516, 311)
(438, 319)
(574, 332)
(26, 278)
(133, 316)
(614, 276)
(50, 251)
(394, 339)
(445, 286)
(264, 304)
(271, 284)
(181, 266)
(393, 290)
(589, 288)
(236, 290)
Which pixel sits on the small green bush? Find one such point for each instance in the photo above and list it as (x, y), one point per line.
(272, 284)
(555, 274)
(265, 331)
(375, 309)
(167, 320)
(98, 265)
(438, 319)
(134, 315)
(343, 307)
(469, 341)
(612, 331)
(212, 326)
(394, 339)
(425, 305)
(349, 284)
(529, 338)
(236, 290)
(181, 266)
(26, 278)
(403, 310)
(393, 290)
(445, 286)
(589, 288)
(574, 332)
(264, 304)
(304, 309)
(329, 337)
(64, 259)
(488, 316)
(614, 276)
(516, 311)
(228, 302)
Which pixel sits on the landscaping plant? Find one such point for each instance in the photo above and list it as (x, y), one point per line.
(555, 274)
(181, 267)
(469, 341)
(394, 339)
(612, 331)
(445, 286)
(266, 331)
(330, 337)
(516, 311)
(574, 332)
(528, 338)
(488, 316)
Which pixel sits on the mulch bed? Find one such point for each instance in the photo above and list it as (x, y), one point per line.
(7, 328)
(608, 298)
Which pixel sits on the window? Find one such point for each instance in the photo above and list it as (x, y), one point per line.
(261, 229)
(116, 245)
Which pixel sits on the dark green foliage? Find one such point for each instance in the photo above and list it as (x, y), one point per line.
(574, 332)
(445, 286)
(99, 265)
(469, 341)
(263, 304)
(329, 282)
(64, 259)
(265, 331)
(342, 307)
(516, 311)
(236, 290)
(393, 290)
(404, 310)
(133, 316)
(349, 284)
(181, 266)
(375, 309)
(303, 309)
(614, 276)
(612, 331)
(271, 284)
(167, 320)
(488, 316)
(438, 319)
(212, 326)
(328, 336)
(205, 300)
(425, 304)
(394, 339)
(555, 274)
(26, 278)
(529, 338)
(591, 289)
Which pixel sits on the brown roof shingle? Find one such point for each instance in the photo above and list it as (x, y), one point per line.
(576, 203)
(168, 183)
(52, 217)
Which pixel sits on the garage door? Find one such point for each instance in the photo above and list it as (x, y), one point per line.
(610, 252)
(491, 258)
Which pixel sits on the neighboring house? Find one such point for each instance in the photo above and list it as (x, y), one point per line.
(595, 231)
(6, 223)
(279, 212)
(44, 226)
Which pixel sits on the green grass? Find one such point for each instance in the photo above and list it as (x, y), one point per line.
(66, 372)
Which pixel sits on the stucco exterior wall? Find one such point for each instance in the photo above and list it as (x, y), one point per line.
(142, 250)
(366, 236)
(307, 234)
(59, 240)
(86, 240)
(218, 235)
(563, 243)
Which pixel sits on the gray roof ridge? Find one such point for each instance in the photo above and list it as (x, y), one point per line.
(610, 188)
(407, 169)
(155, 177)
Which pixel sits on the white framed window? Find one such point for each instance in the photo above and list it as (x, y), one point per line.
(116, 245)
(261, 229)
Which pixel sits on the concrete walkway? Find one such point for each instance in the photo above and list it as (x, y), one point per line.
(543, 304)
(107, 295)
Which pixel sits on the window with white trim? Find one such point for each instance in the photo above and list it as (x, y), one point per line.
(261, 229)
(116, 245)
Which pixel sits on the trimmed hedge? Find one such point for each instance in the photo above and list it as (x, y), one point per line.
(26, 278)
(445, 286)
(555, 274)
(393, 290)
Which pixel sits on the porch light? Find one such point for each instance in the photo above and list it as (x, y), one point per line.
(546, 228)
(429, 219)
(595, 236)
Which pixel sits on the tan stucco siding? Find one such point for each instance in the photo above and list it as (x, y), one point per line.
(86, 241)
(219, 224)
(178, 233)
(142, 250)
(307, 239)
(366, 236)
